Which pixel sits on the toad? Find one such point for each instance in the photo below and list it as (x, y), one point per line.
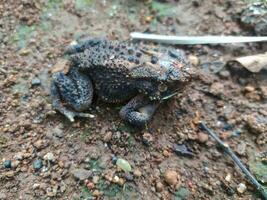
(119, 72)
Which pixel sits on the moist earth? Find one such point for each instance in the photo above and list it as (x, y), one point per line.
(44, 156)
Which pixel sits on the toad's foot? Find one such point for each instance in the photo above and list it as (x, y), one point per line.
(139, 111)
(76, 90)
(70, 115)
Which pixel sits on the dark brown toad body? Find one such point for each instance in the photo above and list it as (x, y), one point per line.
(118, 72)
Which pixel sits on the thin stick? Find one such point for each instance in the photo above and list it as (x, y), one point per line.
(171, 39)
(229, 151)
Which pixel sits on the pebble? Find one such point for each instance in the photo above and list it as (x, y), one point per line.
(57, 132)
(115, 179)
(50, 157)
(90, 185)
(114, 159)
(38, 144)
(147, 138)
(7, 164)
(217, 88)
(121, 182)
(137, 173)
(96, 193)
(241, 148)
(19, 156)
(10, 174)
(159, 187)
(81, 174)
(35, 186)
(182, 193)
(38, 164)
(36, 81)
(124, 165)
(61, 164)
(166, 153)
(3, 196)
(224, 73)
(202, 137)
(129, 177)
(108, 136)
(95, 179)
(241, 188)
(171, 177)
(193, 60)
(15, 163)
(182, 149)
(249, 89)
(228, 177)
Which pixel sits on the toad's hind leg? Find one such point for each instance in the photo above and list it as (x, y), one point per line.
(75, 89)
(138, 111)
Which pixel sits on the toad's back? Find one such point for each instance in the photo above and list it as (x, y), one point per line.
(109, 65)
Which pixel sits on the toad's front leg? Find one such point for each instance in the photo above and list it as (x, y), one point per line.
(75, 89)
(139, 111)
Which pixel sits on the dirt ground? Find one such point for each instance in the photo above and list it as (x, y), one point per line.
(44, 156)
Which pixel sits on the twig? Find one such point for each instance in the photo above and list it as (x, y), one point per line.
(229, 151)
(171, 39)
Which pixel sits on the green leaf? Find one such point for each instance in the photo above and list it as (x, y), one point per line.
(124, 165)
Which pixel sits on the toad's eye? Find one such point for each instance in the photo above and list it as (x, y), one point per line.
(162, 87)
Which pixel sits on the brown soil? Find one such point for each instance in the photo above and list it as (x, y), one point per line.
(230, 99)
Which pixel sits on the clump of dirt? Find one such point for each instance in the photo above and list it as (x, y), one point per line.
(46, 157)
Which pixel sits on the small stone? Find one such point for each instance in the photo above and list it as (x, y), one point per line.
(15, 163)
(183, 150)
(108, 136)
(121, 181)
(228, 177)
(81, 174)
(202, 137)
(96, 193)
(36, 81)
(115, 179)
(38, 164)
(25, 52)
(147, 138)
(217, 88)
(224, 73)
(249, 89)
(148, 19)
(137, 173)
(182, 193)
(95, 179)
(114, 159)
(241, 188)
(57, 132)
(2, 196)
(35, 186)
(241, 148)
(166, 153)
(159, 187)
(10, 174)
(124, 165)
(38, 144)
(61, 164)
(90, 185)
(171, 177)
(50, 157)
(129, 177)
(193, 60)
(19, 156)
(7, 164)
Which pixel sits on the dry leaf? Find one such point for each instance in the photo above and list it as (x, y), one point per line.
(253, 63)
(61, 65)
